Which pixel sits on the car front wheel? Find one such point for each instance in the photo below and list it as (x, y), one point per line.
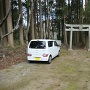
(58, 53)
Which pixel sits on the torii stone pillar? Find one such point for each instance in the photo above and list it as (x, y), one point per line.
(71, 33)
(89, 40)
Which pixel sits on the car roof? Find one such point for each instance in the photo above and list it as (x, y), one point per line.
(42, 40)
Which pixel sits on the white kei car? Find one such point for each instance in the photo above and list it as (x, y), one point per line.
(42, 50)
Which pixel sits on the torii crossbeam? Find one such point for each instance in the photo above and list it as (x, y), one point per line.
(77, 27)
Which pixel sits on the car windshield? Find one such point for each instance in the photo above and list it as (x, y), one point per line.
(38, 44)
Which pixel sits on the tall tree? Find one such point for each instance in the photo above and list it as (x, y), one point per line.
(69, 11)
(41, 31)
(9, 24)
(48, 19)
(35, 10)
(32, 20)
(2, 12)
(21, 23)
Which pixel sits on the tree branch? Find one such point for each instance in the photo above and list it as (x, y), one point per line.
(17, 25)
(6, 14)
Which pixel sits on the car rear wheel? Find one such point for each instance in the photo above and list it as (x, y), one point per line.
(49, 59)
(29, 61)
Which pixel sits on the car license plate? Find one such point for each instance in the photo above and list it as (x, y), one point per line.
(37, 58)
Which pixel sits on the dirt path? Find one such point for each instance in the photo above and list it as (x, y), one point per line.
(70, 71)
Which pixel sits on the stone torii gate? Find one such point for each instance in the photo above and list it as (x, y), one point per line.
(77, 27)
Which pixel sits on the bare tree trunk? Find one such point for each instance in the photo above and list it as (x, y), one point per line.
(45, 19)
(20, 24)
(48, 29)
(9, 24)
(41, 32)
(32, 21)
(1, 17)
(35, 10)
(28, 32)
(2, 47)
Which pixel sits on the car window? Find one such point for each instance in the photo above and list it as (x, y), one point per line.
(55, 43)
(37, 44)
(50, 43)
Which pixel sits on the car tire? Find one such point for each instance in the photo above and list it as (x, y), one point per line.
(58, 53)
(29, 61)
(49, 59)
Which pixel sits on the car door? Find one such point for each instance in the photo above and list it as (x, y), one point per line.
(56, 48)
(50, 48)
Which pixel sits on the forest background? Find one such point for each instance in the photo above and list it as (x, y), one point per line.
(23, 20)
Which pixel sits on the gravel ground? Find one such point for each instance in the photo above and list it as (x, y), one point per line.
(70, 71)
